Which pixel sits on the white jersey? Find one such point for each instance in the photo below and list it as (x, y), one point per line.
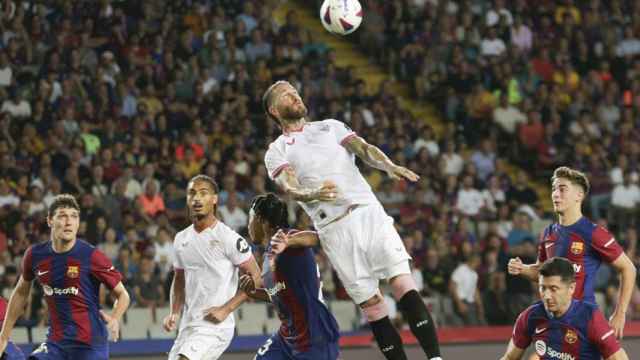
(209, 260)
(316, 155)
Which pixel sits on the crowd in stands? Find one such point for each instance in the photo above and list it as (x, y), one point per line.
(121, 102)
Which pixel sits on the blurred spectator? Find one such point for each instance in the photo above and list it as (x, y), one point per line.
(147, 286)
(464, 290)
(232, 215)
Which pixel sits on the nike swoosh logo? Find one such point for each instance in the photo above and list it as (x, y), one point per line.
(548, 246)
(538, 331)
(40, 273)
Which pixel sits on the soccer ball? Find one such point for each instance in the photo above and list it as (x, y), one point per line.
(341, 16)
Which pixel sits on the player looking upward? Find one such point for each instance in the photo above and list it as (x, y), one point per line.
(314, 162)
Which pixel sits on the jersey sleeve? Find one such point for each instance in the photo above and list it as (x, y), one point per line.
(237, 248)
(602, 335)
(103, 270)
(341, 131)
(542, 254)
(275, 161)
(27, 265)
(3, 309)
(177, 260)
(521, 336)
(605, 244)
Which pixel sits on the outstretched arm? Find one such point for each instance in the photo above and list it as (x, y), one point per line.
(374, 157)
(280, 241)
(289, 183)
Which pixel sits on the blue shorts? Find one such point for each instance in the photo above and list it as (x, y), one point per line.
(276, 349)
(54, 351)
(12, 352)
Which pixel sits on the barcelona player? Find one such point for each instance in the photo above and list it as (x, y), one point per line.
(560, 327)
(70, 272)
(582, 242)
(291, 282)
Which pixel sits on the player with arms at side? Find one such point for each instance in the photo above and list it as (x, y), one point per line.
(70, 272)
(11, 351)
(560, 326)
(291, 282)
(203, 291)
(583, 243)
(314, 162)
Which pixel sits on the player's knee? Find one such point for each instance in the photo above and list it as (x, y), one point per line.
(375, 308)
(402, 284)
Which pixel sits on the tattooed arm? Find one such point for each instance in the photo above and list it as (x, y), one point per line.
(374, 157)
(289, 184)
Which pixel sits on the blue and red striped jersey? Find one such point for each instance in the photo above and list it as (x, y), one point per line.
(292, 279)
(3, 309)
(71, 282)
(586, 245)
(582, 333)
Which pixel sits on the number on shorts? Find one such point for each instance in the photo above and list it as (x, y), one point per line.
(263, 350)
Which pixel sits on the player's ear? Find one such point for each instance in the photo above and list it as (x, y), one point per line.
(273, 112)
(572, 287)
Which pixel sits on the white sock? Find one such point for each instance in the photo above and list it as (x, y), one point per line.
(436, 358)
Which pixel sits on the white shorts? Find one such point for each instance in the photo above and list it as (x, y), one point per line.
(201, 343)
(364, 247)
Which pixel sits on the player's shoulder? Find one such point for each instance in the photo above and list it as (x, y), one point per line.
(85, 246)
(584, 308)
(189, 230)
(535, 310)
(39, 250)
(224, 232)
(277, 143)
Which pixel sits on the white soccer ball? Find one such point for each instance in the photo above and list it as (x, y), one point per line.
(341, 16)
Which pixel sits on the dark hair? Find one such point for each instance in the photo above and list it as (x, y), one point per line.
(272, 209)
(267, 99)
(207, 179)
(63, 201)
(574, 176)
(558, 266)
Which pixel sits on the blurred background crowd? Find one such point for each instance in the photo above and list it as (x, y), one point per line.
(121, 102)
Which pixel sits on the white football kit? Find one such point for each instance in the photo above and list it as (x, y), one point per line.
(363, 246)
(209, 260)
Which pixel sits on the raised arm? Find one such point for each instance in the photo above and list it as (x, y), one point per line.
(280, 241)
(289, 183)
(529, 271)
(374, 157)
(15, 308)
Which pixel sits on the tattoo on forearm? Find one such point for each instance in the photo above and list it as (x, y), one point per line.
(370, 154)
(288, 182)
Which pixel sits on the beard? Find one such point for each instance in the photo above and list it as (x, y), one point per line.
(294, 112)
